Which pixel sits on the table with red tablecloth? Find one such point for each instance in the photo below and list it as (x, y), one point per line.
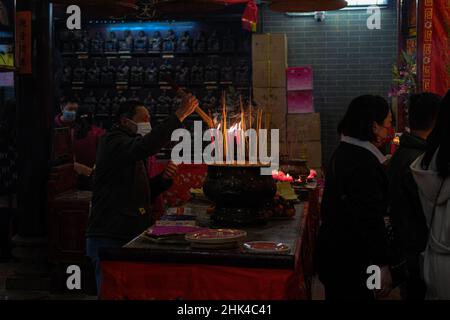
(148, 270)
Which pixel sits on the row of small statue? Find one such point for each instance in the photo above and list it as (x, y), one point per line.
(109, 102)
(153, 74)
(82, 43)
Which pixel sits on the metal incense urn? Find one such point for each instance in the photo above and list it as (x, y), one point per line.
(240, 193)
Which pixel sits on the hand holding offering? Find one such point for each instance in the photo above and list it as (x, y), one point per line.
(188, 106)
(170, 171)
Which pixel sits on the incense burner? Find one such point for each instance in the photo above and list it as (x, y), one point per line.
(240, 193)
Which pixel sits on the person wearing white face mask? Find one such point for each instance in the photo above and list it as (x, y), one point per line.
(122, 192)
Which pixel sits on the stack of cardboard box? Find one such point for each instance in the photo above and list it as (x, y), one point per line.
(269, 78)
(303, 124)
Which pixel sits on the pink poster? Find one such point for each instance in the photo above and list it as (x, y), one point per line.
(300, 101)
(299, 78)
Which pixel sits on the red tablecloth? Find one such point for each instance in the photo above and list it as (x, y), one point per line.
(145, 280)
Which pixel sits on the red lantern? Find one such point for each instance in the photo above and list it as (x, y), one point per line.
(177, 7)
(103, 8)
(306, 5)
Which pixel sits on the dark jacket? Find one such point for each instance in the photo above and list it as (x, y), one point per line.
(121, 194)
(405, 207)
(352, 234)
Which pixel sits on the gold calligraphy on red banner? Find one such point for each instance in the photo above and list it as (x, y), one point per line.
(23, 42)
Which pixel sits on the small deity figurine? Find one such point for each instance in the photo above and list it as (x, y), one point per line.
(83, 44)
(126, 44)
(228, 42)
(213, 42)
(226, 73)
(242, 72)
(136, 74)
(123, 72)
(197, 72)
(185, 43)
(151, 74)
(141, 42)
(211, 72)
(165, 71)
(164, 103)
(67, 74)
(156, 42)
(134, 96)
(117, 101)
(200, 42)
(209, 102)
(97, 43)
(111, 42)
(79, 73)
(67, 42)
(90, 101)
(104, 103)
(93, 74)
(150, 103)
(182, 72)
(170, 42)
(107, 75)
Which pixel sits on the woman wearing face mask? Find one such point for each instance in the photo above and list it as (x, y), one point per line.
(85, 138)
(66, 118)
(352, 236)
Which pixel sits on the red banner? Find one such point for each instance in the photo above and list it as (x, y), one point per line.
(434, 41)
(23, 42)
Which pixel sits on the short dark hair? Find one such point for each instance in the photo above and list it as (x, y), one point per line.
(128, 110)
(423, 109)
(361, 113)
(68, 99)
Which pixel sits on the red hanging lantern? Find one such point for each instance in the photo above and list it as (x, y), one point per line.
(177, 7)
(103, 8)
(306, 5)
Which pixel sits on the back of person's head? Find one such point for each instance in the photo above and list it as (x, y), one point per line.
(440, 138)
(127, 110)
(83, 123)
(362, 112)
(423, 109)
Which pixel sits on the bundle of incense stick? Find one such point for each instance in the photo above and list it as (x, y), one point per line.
(224, 127)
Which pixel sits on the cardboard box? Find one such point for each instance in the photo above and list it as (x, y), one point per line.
(278, 121)
(269, 46)
(303, 127)
(299, 78)
(271, 99)
(269, 74)
(312, 150)
(300, 101)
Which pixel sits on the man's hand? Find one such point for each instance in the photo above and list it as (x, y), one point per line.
(386, 282)
(81, 169)
(188, 105)
(170, 171)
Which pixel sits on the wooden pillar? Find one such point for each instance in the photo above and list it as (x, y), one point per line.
(34, 95)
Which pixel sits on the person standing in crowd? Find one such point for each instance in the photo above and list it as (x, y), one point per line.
(85, 138)
(405, 209)
(69, 107)
(431, 171)
(122, 192)
(352, 235)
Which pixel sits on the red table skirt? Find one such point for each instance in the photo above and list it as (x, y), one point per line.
(164, 281)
